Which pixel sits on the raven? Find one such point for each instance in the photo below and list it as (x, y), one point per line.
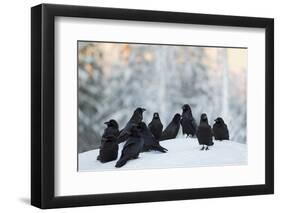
(109, 146)
(172, 129)
(150, 143)
(188, 122)
(204, 133)
(155, 126)
(135, 119)
(133, 145)
(220, 130)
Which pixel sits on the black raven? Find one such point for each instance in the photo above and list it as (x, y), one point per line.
(150, 143)
(220, 130)
(172, 129)
(204, 132)
(188, 122)
(155, 126)
(135, 119)
(133, 145)
(109, 146)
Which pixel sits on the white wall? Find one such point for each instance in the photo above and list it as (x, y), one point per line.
(15, 105)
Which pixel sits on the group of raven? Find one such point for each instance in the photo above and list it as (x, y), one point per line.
(139, 137)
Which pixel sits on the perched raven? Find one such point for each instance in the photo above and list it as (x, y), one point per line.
(188, 122)
(172, 129)
(220, 130)
(109, 146)
(150, 143)
(204, 133)
(135, 119)
(133, 145)
(155, 126)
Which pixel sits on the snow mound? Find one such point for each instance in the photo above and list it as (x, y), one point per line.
(182, 152)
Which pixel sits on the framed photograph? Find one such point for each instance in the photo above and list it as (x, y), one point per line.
(139, 106)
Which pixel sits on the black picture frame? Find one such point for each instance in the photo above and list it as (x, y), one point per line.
(43, 102)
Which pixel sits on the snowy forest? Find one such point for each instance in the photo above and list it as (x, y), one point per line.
(116, 78)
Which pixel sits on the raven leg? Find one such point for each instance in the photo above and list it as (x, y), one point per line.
(207, 148)
(202, 148)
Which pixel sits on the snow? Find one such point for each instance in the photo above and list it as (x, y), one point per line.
(182, 153)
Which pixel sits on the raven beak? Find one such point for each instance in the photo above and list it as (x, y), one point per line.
(107, 122)
(143, 109)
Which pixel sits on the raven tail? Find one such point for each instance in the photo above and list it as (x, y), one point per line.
(160, 149)
(121, 162)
